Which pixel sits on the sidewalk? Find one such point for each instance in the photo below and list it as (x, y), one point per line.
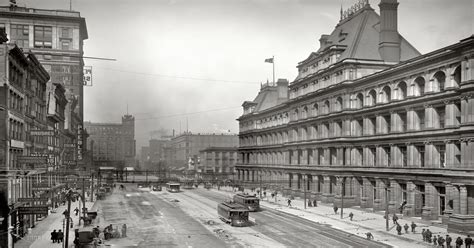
(363, 221)
(40, 235)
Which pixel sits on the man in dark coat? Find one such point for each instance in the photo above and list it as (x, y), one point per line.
(468, 241)
(60, 236)
(54, 236)
(448, 241)
(413, 226)
(423, 234)
(459, 242)
(399, 229)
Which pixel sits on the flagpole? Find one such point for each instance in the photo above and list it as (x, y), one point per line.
(273, 59)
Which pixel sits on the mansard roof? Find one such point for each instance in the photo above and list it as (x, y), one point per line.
(358, 36)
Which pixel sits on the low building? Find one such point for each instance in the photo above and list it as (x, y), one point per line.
(217, 163)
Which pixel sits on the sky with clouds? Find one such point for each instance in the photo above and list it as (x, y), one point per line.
(189, 64)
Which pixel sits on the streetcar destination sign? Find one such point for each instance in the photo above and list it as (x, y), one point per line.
(33, 210)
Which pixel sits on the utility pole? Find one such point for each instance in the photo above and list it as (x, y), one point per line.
(342, 196)
(68, 214)
(92, 186)
(83, 198)
(386, 208)
(304, 188)
(260, 185)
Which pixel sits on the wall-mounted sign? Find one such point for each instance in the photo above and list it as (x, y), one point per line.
(79, 142)
(33, 210)
(87, 75)
(42, 132)
(32, 159)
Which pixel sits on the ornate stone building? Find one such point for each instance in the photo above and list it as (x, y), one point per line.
(369, 121)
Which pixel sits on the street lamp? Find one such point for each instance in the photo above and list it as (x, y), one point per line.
(304, 188)
(260, 184)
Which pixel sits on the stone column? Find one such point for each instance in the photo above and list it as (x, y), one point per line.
(430, 210)
(379, 203)
(327, 196)
(411, 192)
(395, 197)
(467, 153)
(367, 194)
(463, 200)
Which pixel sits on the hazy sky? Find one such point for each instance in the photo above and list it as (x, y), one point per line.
(161, 44)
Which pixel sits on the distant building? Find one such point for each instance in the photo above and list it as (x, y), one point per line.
(187, 145)
(217, 163)
(113, 144)
(144, 156)
(366, 115)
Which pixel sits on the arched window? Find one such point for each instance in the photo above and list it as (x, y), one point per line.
(419, 86)
(371, 98)
(315, 109)
(304, 113)
(359, 101)
(402, 90)
(439, 81)
(457, 76)
(385, 94)
(326, 107)
(338, 104)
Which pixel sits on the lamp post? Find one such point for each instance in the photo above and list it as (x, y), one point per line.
(260, 184)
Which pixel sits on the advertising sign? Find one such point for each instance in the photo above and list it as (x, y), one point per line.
(87, 75)
(42, 132)
(33, 210)
(32, 159)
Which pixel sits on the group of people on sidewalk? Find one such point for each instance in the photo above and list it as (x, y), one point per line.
(439, 240)
(57, 237)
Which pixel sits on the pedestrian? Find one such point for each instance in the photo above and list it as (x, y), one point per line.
(309, 203)
(435, 241)
(468, 241)
(273, 195)
(423, 234)
(265, 194)
(315, 203)
(402, 206)
(54, 236)
(395, 219)
(60, 236)
(76, 211)
(406, 227)
(289, 202)
(335, 209)
(448, 241)
(399, 229)
(413, 226)
(351, 215)
(65, 213)
(124, 230)
(459, 242)
(428, 235)
(441, 241)
(369, 236)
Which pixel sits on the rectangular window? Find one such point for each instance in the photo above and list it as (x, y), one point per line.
(441, 115)
(421, 118)
(421, 153)
(403, 151)
(43, 37)
(19, 34)
(65, 45)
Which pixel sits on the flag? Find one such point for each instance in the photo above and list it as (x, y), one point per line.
(270, 60)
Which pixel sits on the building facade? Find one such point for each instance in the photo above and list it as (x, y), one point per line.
(23, 110)
(113, 144)
(56, 37)
(217, 163)
(370, 121)
(188, 145)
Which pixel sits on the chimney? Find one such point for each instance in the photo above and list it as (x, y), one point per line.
(282, 89)
(389, 39)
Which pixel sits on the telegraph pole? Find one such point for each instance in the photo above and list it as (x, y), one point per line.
(304, 188)
(342, 197)
(68, 214)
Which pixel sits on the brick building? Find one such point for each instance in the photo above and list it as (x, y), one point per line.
(113, 144)
(371, 121)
